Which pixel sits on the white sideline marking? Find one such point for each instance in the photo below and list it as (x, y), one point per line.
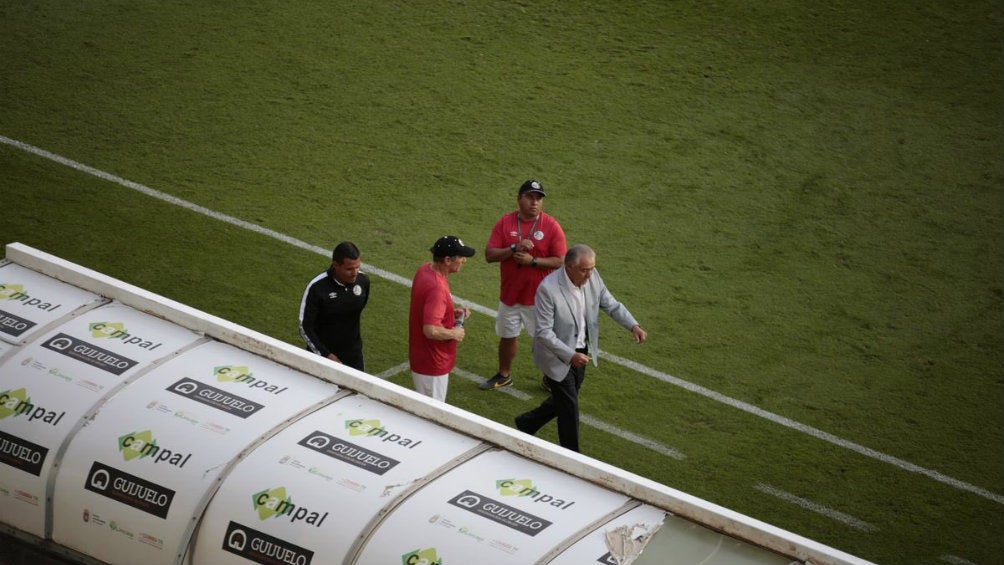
(189, 205)
(388, 373)
(585, 419)
(868, 452)
(653, 445)
(809, 430)
(817, 508)
(955, 560)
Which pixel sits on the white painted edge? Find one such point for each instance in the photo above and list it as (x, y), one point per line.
(677, 502)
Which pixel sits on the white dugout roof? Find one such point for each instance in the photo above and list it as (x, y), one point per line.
(134, 429)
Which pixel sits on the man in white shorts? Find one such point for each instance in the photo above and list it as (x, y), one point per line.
(433, 328)
(528, 245)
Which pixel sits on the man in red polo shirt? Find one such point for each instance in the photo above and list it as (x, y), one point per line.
(527, 244)
(433, 332)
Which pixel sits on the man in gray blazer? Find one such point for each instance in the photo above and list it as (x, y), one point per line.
(567, 311)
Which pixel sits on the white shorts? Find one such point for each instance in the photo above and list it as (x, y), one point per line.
(431, 385)
(511, 319)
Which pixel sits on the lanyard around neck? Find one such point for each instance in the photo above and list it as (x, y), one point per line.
(519, 226)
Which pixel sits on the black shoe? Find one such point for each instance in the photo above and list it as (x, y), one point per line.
(518, 426)
(498, 381)
(546, 384)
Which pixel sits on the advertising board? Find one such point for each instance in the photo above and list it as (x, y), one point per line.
(307, 494)
(29, 301)
(51, 383)
(498, 506)
(138, 476)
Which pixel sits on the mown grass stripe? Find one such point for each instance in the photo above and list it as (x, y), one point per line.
(819, 434)
(817, 508)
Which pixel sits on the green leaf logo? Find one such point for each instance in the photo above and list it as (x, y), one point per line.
(272, 503)
(106, 329)
(231, 373)
(512, 487)
(11, 400)
(8, 291)
(421, 557)
(137, 444)
(361, 427)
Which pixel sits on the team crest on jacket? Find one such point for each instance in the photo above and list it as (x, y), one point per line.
(538, 235)
(357, 290)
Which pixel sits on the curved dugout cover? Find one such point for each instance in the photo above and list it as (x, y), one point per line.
(134, 429)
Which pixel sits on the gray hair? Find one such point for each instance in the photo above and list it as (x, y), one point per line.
(576, 251)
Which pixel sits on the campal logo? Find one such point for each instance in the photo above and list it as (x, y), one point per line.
(139, 445)
(276, 503)
(243, 375)
(15, 292)
(18, 403)
(116, 330)
(372, 428)
(525, 487)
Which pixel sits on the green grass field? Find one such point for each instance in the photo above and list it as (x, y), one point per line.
(802, 204)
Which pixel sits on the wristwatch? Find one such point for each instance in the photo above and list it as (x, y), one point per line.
(512, 248)
(533, 262)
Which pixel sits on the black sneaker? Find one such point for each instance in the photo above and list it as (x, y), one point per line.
(498, 381)
(545, 384)
(519, 424)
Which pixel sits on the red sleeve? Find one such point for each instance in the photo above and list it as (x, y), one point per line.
(498, 236)
(438, 310)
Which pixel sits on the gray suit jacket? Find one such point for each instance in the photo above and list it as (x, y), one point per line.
(556, 332)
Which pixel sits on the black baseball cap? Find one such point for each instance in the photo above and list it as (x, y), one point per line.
(532, 186)
(451, 246)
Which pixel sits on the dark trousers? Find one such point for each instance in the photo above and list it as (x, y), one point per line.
(351, 357)
(563, 404)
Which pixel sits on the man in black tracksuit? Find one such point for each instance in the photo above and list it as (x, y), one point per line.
(331, 307)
